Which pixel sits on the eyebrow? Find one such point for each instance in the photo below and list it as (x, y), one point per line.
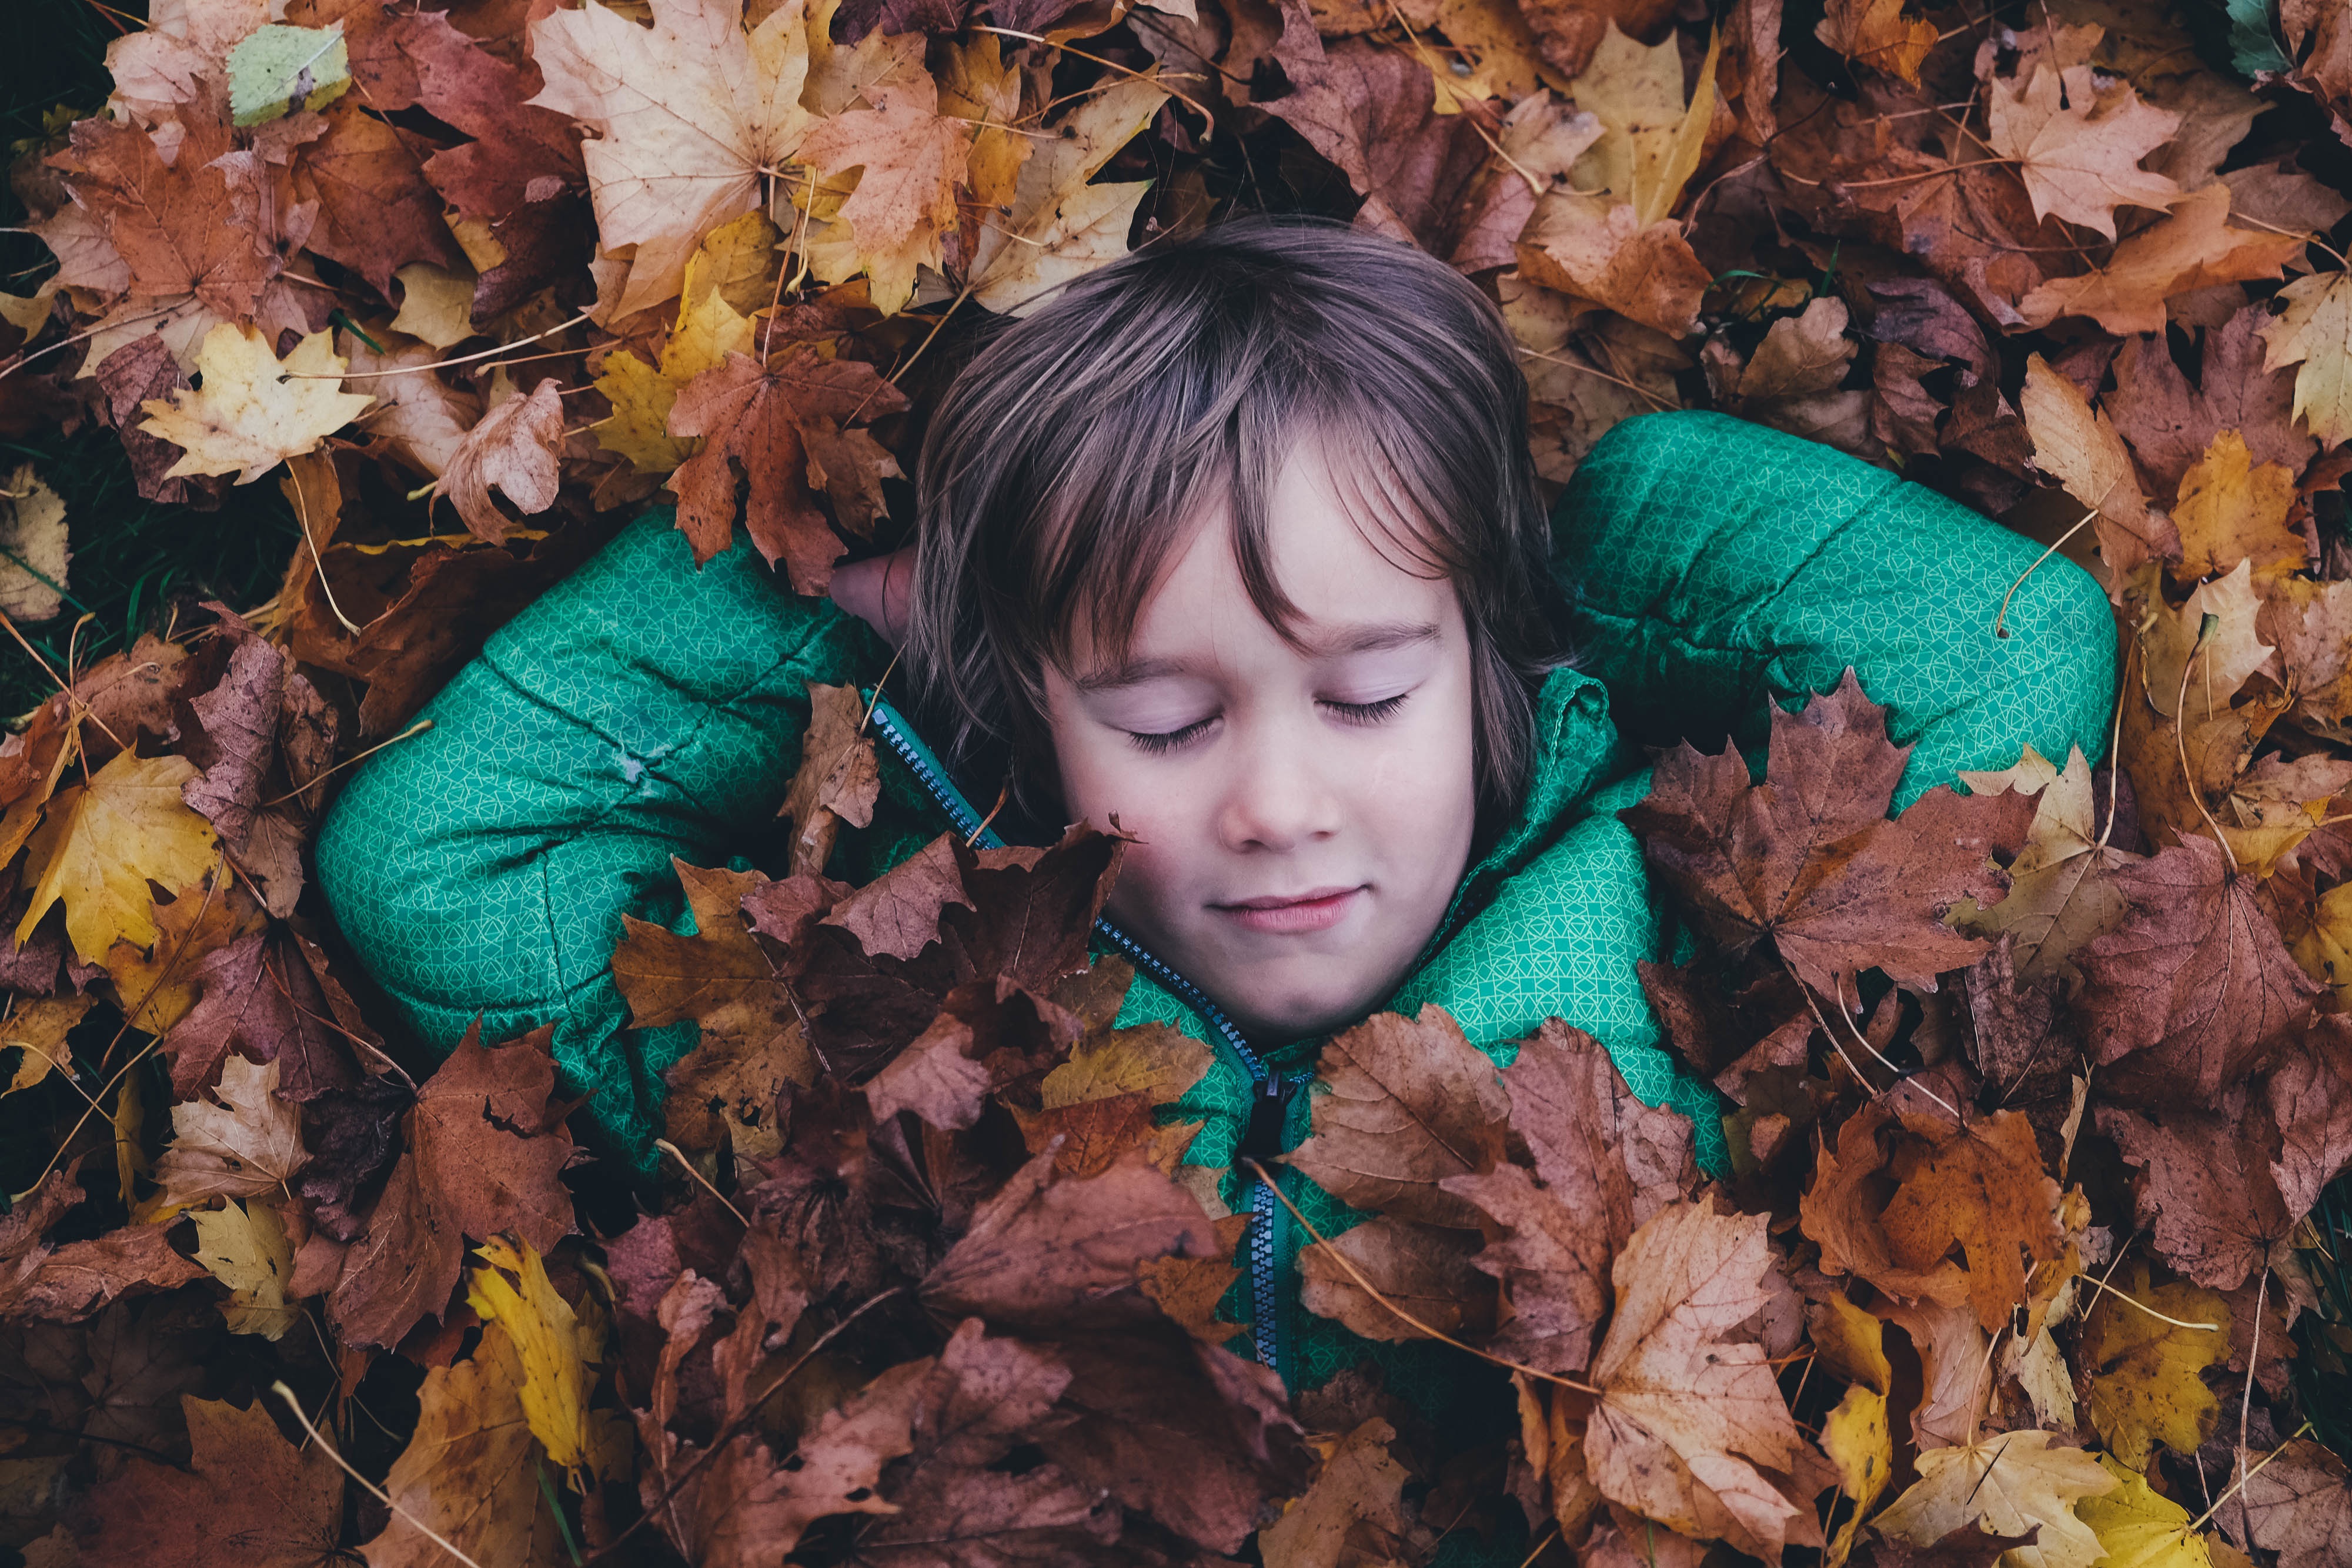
(1374, 637)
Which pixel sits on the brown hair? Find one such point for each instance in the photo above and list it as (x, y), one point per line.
(1059, 470)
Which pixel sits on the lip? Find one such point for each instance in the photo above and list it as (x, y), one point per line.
(1290, 914)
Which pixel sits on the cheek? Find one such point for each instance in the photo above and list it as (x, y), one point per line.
(1430, 763)
(1104, 776)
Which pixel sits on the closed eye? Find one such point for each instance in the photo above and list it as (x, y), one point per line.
(1155, 743)
(1368, 713)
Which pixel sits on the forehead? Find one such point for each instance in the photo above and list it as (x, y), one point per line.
(1351, 583)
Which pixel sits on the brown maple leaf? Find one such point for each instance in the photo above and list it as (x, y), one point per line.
(470, 1473)
(519, 184)
(2299, 1505)
(183, 228)
(2310, 1093)
(980, 1399)
(1408, 1102)
(1809, 858)
(250, 1499)
(1196, 1437)
(2184, 997)
(1357, 1496)
(787, 428)
(837, 782)
(1688, 1410)
(484, 1150)
(514, 447)
(68, 1282)
(1607, 1163)
(1423, 1275)
(376, 210)
(262, 996)
(1054, 1254)
(2205, 1187)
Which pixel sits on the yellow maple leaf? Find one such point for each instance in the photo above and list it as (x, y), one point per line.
(437, 306)
(2325, 948)
(102, 843)
(2144, 1372)
(555, 1346)
(38, 1028)
(978, 84)
(2007, 1483)
(2315, 332)
(2230, 510)
(247, 1249)
(707, 329)
(1650, 140)
(2140, 1529)
(691, 116)
(1060, 226)
(1875, 32)
(253, 413)
(469, 1475)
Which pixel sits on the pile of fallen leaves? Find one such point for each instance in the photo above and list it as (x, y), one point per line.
(2031, 1093)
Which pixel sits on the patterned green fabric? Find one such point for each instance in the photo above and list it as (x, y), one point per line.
(638, 710)
(1715, 563)
(642, 710)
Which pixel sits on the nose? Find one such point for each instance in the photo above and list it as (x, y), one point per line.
(1276, 796)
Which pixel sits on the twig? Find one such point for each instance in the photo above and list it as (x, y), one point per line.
(1528, 1560)
(2114, 744)
(421, 725)
(318, 563)
(435, 365)
(1139, 75)
(2246, 1400)
(426, 1531)
(137, 1008)
(2030, 570)
(2195, 1524)
(18, 363)
(674, 1152)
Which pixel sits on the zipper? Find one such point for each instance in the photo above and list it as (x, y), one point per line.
(1270, 1091)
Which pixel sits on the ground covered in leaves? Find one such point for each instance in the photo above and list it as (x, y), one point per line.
(2038, 1094)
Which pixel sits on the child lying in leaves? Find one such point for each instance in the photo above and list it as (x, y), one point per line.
(1233, 550)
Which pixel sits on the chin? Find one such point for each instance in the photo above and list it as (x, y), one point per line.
(1302, 1017)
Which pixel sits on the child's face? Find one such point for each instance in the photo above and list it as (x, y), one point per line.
(1304, 813)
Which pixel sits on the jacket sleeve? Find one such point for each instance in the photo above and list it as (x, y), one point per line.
(1715, 563)
(639, 709)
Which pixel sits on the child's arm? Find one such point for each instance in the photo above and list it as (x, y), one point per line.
(1716, 563)
(638, 710)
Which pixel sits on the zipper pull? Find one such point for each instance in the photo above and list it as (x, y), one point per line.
(1269, 1102)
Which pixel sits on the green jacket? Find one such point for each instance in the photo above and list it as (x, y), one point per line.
(641, 710)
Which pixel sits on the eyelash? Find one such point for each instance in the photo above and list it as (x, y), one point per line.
(1353, 713)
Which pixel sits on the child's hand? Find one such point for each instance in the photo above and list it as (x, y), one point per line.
(875, 591)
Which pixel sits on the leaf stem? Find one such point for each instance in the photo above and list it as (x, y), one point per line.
(2205, 629)
(2030, 570)
(1399, 1312)
(2193, 1525)
(279, 1388)
(674, 1152)
(435, 365)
